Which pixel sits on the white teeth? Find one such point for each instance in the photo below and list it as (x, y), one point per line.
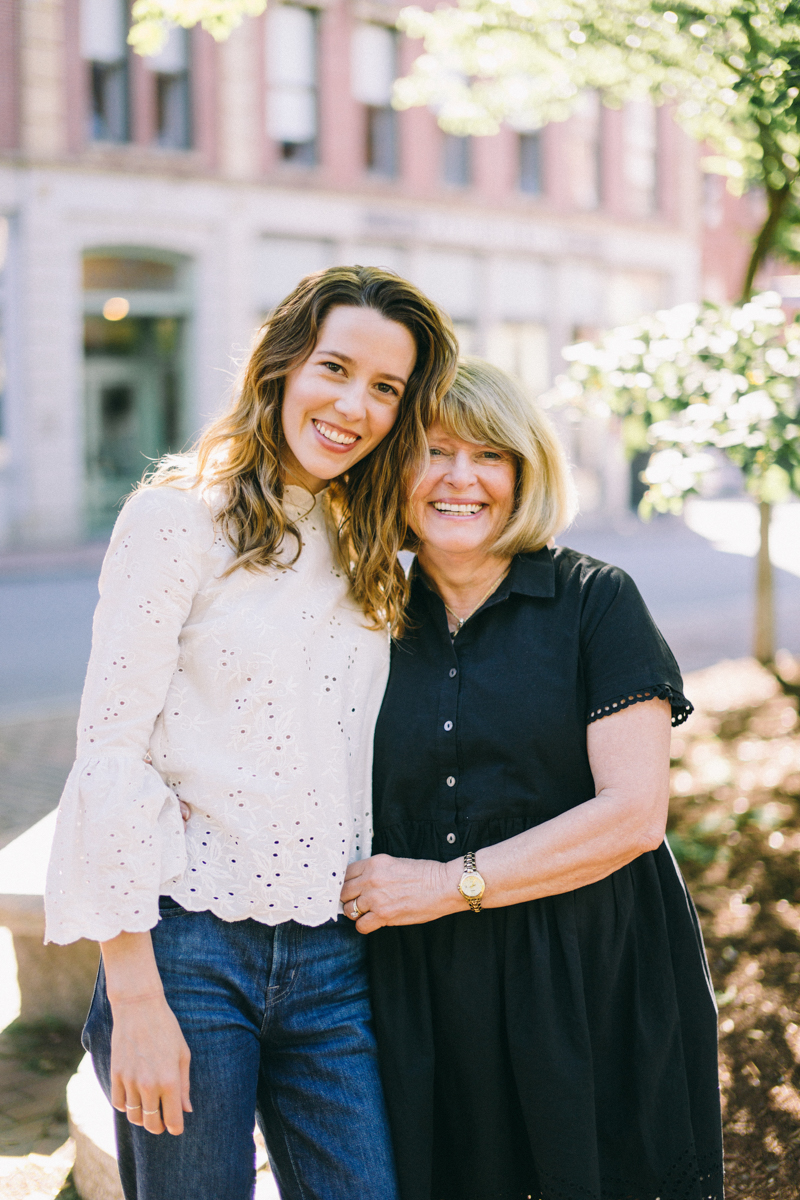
(333, 435)
(443, 507)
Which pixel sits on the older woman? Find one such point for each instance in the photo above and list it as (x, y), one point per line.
(545, 1018)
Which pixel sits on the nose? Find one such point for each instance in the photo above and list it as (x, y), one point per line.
(351, 403)
(460, 473)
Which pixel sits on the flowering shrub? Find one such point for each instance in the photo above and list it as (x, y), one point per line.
(695, 377)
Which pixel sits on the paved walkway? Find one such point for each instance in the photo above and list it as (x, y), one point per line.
(36, 754)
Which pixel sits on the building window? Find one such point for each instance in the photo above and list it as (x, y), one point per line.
(292, 96)
(583, 152)
(170, 71)
(373, 71)
(465, 334)
(640, 157)
(281, 262)
(456, 160)
(522, 349)
(104, 50)
(530, 163)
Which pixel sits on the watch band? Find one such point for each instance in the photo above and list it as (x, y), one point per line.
(471, 868)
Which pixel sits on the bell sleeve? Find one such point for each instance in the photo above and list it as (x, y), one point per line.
(119, 837)
(625, 659)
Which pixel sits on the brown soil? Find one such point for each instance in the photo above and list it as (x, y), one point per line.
(735, 829)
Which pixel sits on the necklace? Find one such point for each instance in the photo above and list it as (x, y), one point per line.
(461, 621)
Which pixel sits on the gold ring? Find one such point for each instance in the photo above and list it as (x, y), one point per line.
(150, 1112)
(356, 911)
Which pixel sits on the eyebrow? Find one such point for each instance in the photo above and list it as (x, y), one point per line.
(350, 362)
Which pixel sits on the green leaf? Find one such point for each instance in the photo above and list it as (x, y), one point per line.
(152, 19)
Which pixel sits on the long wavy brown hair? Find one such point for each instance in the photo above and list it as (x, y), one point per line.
(240, 453)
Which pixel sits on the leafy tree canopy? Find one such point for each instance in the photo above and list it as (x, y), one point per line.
(729, 68)
(696, 377)
(151, 19)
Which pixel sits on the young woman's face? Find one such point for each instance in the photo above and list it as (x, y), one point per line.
(466, 497)
(343, 400)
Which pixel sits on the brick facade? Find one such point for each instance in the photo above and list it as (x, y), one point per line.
(522, 272)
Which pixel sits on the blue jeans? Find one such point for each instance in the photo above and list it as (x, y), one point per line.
(278, 1022)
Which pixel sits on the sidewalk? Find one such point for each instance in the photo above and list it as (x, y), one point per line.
(37, 748)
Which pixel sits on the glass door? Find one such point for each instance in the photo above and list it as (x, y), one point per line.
(132, 406)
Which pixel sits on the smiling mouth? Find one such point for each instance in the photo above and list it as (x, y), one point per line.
(337, 436)
(457, 510)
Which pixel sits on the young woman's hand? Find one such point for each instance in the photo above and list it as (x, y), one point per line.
(149, 1054)
(400, 891)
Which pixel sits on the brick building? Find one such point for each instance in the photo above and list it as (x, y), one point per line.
(152, 211)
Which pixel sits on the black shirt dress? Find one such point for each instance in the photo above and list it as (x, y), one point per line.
(564, 1048)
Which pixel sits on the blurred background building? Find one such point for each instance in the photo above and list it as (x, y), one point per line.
(153, 211)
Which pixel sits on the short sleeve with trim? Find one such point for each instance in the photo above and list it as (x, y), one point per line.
(624, 657)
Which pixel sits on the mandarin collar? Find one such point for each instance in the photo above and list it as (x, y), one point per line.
(300, 502)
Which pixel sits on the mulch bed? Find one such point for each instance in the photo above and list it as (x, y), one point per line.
(735, 829)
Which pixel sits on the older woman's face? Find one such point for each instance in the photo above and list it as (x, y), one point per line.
(466, 496)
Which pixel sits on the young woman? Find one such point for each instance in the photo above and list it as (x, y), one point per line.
(239, 657)
(557, 1042)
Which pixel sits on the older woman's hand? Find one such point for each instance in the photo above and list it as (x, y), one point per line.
(400, 891)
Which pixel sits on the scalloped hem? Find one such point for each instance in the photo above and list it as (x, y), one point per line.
(64, 933)
(682, 709)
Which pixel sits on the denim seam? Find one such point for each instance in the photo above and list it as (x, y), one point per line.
(301, 1193)
(274, 993)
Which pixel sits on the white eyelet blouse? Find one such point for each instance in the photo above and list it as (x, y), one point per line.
(251, 696)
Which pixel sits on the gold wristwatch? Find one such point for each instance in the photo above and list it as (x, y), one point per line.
(472, 885)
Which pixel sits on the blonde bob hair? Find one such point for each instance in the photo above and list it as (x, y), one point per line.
(484, 405)
(240, 454)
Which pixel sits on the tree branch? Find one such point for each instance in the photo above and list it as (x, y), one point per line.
(777, 199)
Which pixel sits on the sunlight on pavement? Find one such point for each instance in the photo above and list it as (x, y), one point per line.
(9, 989)
(732, 526)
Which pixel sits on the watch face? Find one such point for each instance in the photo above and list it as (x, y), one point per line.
(472, 886)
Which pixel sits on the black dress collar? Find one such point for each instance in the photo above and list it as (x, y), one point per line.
(530, 575)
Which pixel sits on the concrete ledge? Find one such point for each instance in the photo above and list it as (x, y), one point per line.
(91, 1125)
(54, 981)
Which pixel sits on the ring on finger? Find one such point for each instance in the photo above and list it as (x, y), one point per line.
(356, 911)
(150, 1112)
(132, 1107)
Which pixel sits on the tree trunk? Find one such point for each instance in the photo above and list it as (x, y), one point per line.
(777, 199)
(764, 639)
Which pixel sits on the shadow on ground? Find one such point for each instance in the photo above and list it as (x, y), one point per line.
(734, 829)
(36, 1061)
